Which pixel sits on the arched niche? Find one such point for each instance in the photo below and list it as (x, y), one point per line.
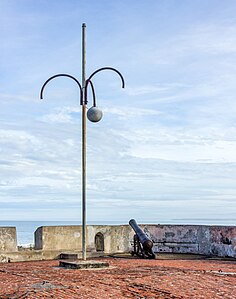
(99, 242)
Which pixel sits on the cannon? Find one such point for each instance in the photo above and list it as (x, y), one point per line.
(142, 243)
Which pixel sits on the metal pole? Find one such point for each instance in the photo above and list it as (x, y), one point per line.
(83, 144)
(84, 108)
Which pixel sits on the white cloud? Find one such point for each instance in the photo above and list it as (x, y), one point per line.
(166, 144)
(182, 145)
(208, 38)
(141, 90)
(61, 115)
(130, 112)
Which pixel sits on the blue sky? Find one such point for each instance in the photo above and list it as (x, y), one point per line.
(165, 150)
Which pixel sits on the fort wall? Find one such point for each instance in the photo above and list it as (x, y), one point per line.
(51, 241)
(8, 241)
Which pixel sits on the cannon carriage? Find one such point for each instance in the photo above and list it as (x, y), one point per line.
(142, 243)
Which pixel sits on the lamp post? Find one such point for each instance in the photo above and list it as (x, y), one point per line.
(94, 114)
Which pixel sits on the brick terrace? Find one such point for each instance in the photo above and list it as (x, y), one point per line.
(126, 278)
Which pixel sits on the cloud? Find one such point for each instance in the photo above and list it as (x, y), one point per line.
(62, 115)
(165, 148)
(208, 38)
(182, 145)
(130, 112)
(147, 89)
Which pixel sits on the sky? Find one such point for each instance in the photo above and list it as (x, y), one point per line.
(165, 149)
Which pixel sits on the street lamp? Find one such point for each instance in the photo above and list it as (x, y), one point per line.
(94, 114)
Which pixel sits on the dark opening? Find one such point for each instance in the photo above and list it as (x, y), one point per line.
(99, 242)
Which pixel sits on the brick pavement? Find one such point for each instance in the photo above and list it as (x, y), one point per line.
(126, 278)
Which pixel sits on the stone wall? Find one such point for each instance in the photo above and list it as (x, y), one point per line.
(8, 241)
(58, 238)
(197, 239)
(50, 241)
(223, 241)
(116, 238)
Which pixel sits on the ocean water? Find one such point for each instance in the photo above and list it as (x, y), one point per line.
(25, 229)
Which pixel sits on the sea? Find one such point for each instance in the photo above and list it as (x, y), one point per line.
(25, 229)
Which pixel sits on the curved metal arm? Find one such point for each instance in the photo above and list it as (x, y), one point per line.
(89, 81)
(93, 92)
(62, 75)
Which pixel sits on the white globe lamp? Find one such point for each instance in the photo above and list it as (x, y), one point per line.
(94, 114)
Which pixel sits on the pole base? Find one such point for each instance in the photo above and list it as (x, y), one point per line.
(83, 264)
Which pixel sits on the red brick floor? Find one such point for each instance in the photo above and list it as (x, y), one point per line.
(126, 278)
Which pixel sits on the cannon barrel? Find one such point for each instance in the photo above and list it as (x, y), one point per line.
(143, 238)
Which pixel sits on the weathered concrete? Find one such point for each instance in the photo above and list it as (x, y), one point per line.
(198, 239)
(39, 255)
(8, 240)
(69, 256)
(223, 241)
(116, 238)
(51, 241)
(58, 238)
(83, 264)
(173, 238)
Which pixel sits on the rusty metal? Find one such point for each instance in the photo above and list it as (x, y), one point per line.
(142, 243)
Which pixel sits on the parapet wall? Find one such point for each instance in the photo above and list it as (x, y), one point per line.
(115, 238)
(58, 238)
(198, 239)
(8, 241)
(50, 241)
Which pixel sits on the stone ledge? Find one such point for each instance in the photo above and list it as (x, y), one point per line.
(83, 264)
